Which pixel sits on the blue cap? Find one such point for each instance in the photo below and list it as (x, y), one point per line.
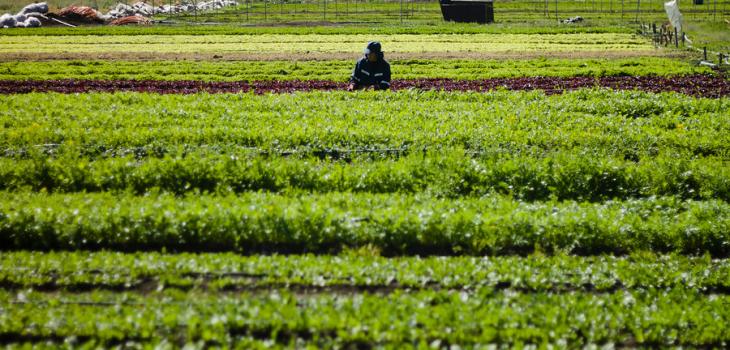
(373, 46)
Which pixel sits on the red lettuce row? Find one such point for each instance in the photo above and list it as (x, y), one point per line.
(699, 85)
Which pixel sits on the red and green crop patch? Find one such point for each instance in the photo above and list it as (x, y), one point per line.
(701, 85)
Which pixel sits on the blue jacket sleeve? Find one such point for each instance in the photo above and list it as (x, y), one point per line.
(356, 77)
(384, 82)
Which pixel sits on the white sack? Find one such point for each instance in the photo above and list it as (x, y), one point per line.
(40, 7)
(8, 21)
(32, 22)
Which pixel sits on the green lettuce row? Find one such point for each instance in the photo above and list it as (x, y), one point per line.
(626, 123)
(349, 44)
(394, 224)
(448, 174)
(438, 27)
(339, 70)
(651, 318)
(358, 270)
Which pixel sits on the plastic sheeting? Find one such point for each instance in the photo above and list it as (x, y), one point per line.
(675, 17)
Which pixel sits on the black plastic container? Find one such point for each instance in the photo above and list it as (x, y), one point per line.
(479, 11)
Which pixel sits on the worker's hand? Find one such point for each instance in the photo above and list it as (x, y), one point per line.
(351, 87)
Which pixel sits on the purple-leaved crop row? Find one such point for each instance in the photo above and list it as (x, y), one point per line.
(699, 85)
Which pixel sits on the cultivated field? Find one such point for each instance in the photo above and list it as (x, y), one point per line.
(215, 187)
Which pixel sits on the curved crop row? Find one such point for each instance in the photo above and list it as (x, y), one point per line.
(695, 85)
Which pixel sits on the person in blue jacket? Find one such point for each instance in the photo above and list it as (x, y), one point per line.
(371, 71)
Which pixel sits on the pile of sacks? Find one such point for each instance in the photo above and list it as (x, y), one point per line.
(124, 10)
(147, 10)
(28, 17)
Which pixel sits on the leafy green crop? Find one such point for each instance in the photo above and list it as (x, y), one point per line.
(358, 271)
(357, 299)
(460, 220)
(627, 124)
(652, 318)
(303, 43)
(395, 224)
(339, 70)
(452, 174)
(449, 149)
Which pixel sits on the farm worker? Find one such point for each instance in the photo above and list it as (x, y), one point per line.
(371, 71)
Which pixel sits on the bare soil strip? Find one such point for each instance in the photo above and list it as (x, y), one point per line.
(699, 85)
